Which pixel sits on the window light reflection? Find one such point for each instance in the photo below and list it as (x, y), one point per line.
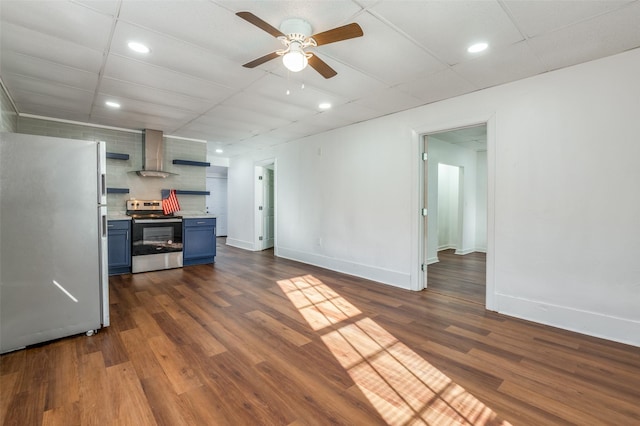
(402, 386)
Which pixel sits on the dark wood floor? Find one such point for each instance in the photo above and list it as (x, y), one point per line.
(256, 340)
(459, 276)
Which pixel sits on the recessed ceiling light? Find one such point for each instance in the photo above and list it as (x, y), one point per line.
(478, 47)
(219, 151)
(324, 105)
(112, 104)
(138, 47)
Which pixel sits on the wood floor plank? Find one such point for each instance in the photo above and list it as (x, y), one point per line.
(255, 339)
(180, 375)
(270, 324)
(95, 404)
(64, 383)
(65, 415)
(9, 384)
(190, 327)
(128, 401)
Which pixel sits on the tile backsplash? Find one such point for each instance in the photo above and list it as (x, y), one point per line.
(121, 173)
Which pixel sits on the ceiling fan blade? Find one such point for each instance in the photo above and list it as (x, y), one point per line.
(261, 60)
(253, 19)
(321, 66)
(338, 34)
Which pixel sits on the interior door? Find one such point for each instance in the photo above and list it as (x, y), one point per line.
(268, 209)
(217, 202)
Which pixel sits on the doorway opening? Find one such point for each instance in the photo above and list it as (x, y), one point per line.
(216, 201)
(456, 226)
(265, 217)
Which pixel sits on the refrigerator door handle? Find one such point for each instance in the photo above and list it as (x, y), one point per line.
(102, 173)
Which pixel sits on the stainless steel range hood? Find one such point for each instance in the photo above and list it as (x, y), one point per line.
(153, 155)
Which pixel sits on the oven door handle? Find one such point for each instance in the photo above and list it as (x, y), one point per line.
(157, 221)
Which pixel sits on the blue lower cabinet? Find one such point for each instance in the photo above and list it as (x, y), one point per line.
(119, 234)
(199, 241)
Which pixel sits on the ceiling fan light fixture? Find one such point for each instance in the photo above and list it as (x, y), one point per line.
(295, 59)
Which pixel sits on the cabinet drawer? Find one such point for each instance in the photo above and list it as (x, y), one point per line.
(118, 224)
(199, 222)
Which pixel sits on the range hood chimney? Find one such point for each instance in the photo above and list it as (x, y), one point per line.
(153, 155)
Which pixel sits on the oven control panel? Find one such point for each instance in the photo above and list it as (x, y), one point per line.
(150, 205)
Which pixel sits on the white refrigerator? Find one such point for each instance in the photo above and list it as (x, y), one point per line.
(53, 239)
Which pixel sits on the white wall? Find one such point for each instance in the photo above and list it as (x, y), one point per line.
(448, 204)
(563, 231)
(481, 202)
(441, 152)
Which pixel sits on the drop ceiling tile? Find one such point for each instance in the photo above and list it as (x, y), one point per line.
(133, 120)
(107, 7)
(510, 63)
(219, 128)
(22, 84)
(252, 119)
(14, 38)
(607, 35)
(132, 106)
(204, 24)
(26, 93)
(122, 90)
(258, 103)
(435, 87)
(63, 20)
(353, 112)
(144, 74)
(36, 68)
(275, 87)
(389, 100)
(536, 17)
(447, 28)
(381, 53)
(51, 109)
(180, 56)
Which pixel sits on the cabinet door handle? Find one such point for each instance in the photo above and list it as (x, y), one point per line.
(200, 223)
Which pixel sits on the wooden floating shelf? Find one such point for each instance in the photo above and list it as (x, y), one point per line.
(117, 190)
(184, 192)
(192, 163)
(117, 156)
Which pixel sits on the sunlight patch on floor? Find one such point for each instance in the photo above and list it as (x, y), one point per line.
(400, 384)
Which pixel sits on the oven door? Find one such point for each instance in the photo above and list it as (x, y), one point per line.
(155, 236)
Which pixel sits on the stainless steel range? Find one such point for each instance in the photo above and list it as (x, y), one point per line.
(156, 241)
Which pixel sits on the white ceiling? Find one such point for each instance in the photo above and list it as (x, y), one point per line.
(64, 59)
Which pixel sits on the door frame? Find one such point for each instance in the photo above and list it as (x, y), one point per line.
(258, 195)
(419, 279)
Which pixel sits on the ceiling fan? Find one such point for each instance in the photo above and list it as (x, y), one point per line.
(295, 35)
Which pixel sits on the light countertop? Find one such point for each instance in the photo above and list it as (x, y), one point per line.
(184, 214)
(117, 216)
(195, 215)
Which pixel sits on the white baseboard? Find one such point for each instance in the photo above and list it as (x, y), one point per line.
(591, 323)
(247, 245)
(463, 252)
(446, 247)
(384, 276)
(432, 260)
